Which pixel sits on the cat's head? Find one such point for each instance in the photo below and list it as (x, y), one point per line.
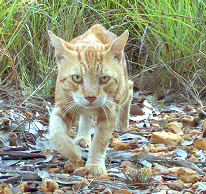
(92, 74)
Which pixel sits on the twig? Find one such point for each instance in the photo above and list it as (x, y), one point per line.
(23, 175)
(10, 155)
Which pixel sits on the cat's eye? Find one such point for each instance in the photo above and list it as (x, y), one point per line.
(77, 79)
(104, 79)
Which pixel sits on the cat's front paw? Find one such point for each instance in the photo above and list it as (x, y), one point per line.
(95, 169)
(83, 141)
(122, 126)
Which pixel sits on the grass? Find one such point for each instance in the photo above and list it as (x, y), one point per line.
(167, 38)
(142, 175)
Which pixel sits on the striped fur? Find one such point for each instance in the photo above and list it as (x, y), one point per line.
(92, 81)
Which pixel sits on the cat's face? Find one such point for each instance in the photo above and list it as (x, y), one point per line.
(90, 73)
(90, 76)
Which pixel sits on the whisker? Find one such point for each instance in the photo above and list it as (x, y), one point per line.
(69, 107)
(105, 112)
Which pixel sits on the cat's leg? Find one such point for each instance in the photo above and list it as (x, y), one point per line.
(83, 136)
(96, 159)
(122, 122)
(58, 130)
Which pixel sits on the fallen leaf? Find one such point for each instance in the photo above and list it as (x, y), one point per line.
(81, 185)
(49, 185)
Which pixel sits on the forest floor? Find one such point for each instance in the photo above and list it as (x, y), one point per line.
(162, 152)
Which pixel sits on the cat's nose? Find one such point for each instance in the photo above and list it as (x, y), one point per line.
(90, 98)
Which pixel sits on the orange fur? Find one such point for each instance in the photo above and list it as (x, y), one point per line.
(92, 81)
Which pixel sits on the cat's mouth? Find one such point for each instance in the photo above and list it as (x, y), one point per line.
(90, 106)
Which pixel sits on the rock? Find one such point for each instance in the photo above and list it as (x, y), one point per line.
(158, 178)
(200, 144)
(149, 148)
(161, 149)
(162, 187)
(127, 163)
(122, 146)
(81, 184)
(49, 185)
(185, 174)
(176, 185)
(175, 127)
(166, 138)
(159, 169)
(54, 170)
(188, 121)
(122, 191)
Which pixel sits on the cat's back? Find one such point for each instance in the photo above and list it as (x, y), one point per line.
(97, 34)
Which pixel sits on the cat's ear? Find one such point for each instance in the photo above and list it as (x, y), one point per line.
(61, 47)
(117, 46)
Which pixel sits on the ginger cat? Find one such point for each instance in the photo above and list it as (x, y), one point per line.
(92, 81)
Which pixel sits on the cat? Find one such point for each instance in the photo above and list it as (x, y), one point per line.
(92, 81)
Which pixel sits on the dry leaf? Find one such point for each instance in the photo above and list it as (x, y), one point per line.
(4, 189)
(49, 185)
(81, 184)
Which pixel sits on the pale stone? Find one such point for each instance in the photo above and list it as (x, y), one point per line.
(188, 121)
(122, 191)
(162, 149)
(159, 170)
(200, 144)
(175, 127)
(122, 146)
(185, 174)
(162, 187)
(54, 170)
(176, 185)
(149, 148)
(166, 138)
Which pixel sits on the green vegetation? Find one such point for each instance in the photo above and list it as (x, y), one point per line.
(167, 38)
(142, 175)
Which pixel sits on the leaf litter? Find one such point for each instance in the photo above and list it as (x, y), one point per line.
(162, 152)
